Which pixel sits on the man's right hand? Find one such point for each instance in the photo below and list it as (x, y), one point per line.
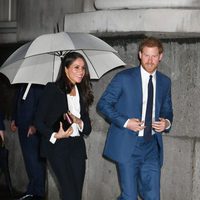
(2, 135)
(13, 126)
(135, 125)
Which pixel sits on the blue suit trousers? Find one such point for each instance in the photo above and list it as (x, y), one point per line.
(35, 165)
(141, 174)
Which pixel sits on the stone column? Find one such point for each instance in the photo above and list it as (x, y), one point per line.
(88, 5)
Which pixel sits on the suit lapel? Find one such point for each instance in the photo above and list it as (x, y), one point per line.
(80, 98)
(158, 95)
(138, 91)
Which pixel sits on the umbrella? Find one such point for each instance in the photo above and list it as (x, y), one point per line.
(63, 41)
(38, 61)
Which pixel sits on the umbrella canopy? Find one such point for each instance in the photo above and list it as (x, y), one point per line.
(39, 61)
(63, 41)
(36, 69)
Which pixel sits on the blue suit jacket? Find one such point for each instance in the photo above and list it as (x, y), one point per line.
(24, 110)
(123, 100)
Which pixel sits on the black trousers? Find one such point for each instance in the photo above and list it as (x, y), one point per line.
(35, 165)
(68, 160)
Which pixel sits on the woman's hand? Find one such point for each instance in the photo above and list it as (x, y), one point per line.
(63, 134)
(76, 120)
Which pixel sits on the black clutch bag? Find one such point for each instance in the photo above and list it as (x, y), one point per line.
(66, 122)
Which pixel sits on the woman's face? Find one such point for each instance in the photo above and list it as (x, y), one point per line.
(76, 71)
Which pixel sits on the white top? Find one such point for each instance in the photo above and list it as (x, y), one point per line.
(74, 108)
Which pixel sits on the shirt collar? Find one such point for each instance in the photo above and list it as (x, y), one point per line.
(145, 74)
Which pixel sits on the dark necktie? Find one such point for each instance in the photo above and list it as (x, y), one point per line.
(148, 117)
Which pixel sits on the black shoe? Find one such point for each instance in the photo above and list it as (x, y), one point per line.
(26, 197)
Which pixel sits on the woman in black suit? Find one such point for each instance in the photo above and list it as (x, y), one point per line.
(65, 149)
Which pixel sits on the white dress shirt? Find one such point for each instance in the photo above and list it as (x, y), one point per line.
(145, 80)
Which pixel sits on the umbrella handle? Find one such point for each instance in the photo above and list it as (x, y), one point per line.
(26, 91)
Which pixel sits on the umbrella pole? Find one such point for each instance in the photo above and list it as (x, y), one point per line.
(26, 91)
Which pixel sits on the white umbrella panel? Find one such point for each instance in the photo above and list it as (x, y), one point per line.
(38, 62)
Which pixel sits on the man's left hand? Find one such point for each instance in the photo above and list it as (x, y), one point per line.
(2, 135)
(31, 131)
(161, 125)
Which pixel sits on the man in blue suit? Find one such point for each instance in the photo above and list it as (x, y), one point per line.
(137, 103)
(29, 138)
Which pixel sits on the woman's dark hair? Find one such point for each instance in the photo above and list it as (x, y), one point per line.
(66, 85)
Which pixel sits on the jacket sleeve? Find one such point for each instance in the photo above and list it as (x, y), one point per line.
(87, 124)
(87, 128)
(2, 126)
(42, 111)
(14, 104)
(37, 92)
(109, 99)
(166, 109)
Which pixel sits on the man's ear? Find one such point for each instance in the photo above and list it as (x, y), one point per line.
(161, 56)
(140, 54)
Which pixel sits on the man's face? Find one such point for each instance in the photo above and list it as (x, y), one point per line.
(150, 58)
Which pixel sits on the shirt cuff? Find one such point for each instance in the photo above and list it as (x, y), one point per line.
(169, 124)
(82, 125)
(53, 139)
(125, 125)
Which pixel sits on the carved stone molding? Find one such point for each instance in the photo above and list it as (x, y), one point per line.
(138, 4)
(162, 22)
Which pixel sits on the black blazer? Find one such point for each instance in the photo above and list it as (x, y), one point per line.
(53, 103)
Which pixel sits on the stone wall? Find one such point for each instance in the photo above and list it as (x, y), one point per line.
(37, 17)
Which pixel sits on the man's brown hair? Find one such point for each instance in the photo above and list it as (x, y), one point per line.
(151, 42)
